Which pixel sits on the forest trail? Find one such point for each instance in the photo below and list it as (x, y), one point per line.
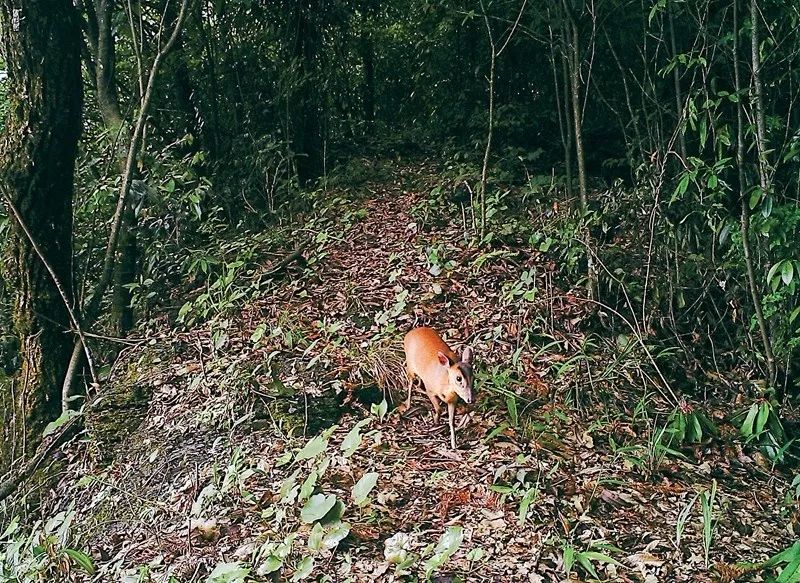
(534, 479)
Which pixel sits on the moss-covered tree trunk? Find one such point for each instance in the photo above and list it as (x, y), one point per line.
(41, 48)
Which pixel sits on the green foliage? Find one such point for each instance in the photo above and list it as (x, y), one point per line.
(43, 553)
(587, 559)
(688, 425)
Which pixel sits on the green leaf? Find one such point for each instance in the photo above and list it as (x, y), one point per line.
(747, 427)
(785, 556)
(755, 197)
(228, 573)
(599, 557)
(304, 569)
(317, 507)
(53, 426)
(763, 416)
(308, 485)
(766, 208)
(450, 541)
(258, 333)
(790, 573)
(270, 565)
(569, 559)
(587, 564)
(787, 272)
(712, 181)
(313, 448)
(511, 405)
(336, 534)
(83, 560)
(363, 487)
(13, 526)
(771, 275)
(529, 497)
(683, 185)
(352, 440)
(315, 537)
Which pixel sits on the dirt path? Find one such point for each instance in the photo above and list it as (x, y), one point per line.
(550, 463)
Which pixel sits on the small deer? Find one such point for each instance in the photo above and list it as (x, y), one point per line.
(444, 376)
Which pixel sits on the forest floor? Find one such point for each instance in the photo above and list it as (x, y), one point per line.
(558, 467)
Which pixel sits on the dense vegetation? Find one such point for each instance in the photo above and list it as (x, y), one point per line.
(602, 197)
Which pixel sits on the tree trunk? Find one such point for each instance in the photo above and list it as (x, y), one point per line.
(490, 125)
(575, 94)
(41, 46)
(676, 80)
(566, 138)
(758, 101)
(744, 218)
(102, 44)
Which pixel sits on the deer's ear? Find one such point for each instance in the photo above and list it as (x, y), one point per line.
(466, 356)
(443, 360)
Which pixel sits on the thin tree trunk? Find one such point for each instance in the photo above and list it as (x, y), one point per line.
(490, 128)
(575, 93)
(761, 131)
(117, 222)
(676, 79)
(563, 120)
(42, 50)
(567, 111)
(744, 220)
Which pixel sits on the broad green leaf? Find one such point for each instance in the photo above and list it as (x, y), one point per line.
(83, 560)
(475, 554)
(599, 557)
(529, 497)
(787, 272)
(363, 487)
(683, 185)
(586, 564)
(772, 273)
(450, 540)
(791, 572)
(761, 419)
(258, 333)
(308, 485)
(747, 426)
(755, 197)
(336, 534)
(304, 569)
(569, 559)
(53, 426)
(315, 537)
(314, 447)
(317, 507)
(766, 208)
(13, 526)
(352, 440)
(785, 556)
(228, 573)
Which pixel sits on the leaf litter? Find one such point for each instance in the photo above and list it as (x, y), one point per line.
(551, 463)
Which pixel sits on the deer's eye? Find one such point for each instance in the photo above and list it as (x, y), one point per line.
(458, 379)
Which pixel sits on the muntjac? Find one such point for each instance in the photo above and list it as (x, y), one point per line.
(445, 377)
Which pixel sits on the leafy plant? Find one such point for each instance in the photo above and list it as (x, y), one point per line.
(586, 559)
(42, 554)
